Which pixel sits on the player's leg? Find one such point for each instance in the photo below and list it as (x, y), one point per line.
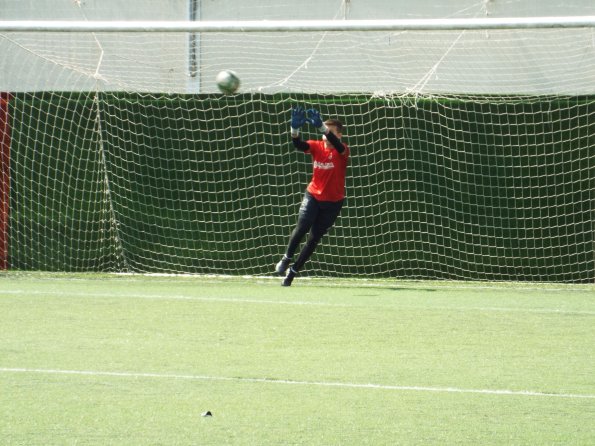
(324, 221)
(306, 218)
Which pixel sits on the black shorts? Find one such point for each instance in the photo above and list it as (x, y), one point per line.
(318, 216)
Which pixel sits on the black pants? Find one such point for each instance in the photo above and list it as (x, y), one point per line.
(314, 216)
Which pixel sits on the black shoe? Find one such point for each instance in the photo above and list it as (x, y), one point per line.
(289, 278)
(282, 265)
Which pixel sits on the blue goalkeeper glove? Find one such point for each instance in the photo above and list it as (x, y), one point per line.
(315, 119)
(298, 119)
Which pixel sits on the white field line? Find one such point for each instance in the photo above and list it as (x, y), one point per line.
(297, 383)
(84, 295)
(112, 295)
(361, 283)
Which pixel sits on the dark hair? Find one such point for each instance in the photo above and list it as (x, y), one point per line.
(335, 123)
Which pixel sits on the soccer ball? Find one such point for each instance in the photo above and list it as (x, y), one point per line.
(228, 82)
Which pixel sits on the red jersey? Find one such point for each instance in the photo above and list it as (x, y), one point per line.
(329, 168)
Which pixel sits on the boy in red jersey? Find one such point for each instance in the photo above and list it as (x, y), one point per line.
(325, 193)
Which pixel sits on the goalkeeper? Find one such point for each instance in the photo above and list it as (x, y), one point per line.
(325, 193)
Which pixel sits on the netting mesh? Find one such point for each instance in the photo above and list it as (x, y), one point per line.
(471, 152)
(530, 62)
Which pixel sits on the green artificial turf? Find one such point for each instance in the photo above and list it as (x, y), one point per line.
(135, 360)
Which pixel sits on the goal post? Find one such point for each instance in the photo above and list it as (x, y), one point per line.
(4, 178)
(471, 146)
(239, 26)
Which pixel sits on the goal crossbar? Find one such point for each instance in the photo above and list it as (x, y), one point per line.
(296, 25)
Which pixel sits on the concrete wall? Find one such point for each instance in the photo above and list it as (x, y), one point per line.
(287, 9)
(515, 62)
(82, 62)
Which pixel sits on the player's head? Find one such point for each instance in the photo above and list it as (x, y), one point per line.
(335, 126)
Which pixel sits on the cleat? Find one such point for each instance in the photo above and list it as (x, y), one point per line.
(289, 278)
(282, 265)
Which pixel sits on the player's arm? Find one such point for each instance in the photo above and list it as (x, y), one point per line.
(299, 144)
(315, 119)
(298, 119)
(336, 142)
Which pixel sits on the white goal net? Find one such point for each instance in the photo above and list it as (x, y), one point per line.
(471, 149)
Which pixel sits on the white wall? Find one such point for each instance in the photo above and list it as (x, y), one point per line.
(390, 9)
(30, 62)
(534, 62)
(287, 9)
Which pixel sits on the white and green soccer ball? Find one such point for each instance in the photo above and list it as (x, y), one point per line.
(227, 81)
